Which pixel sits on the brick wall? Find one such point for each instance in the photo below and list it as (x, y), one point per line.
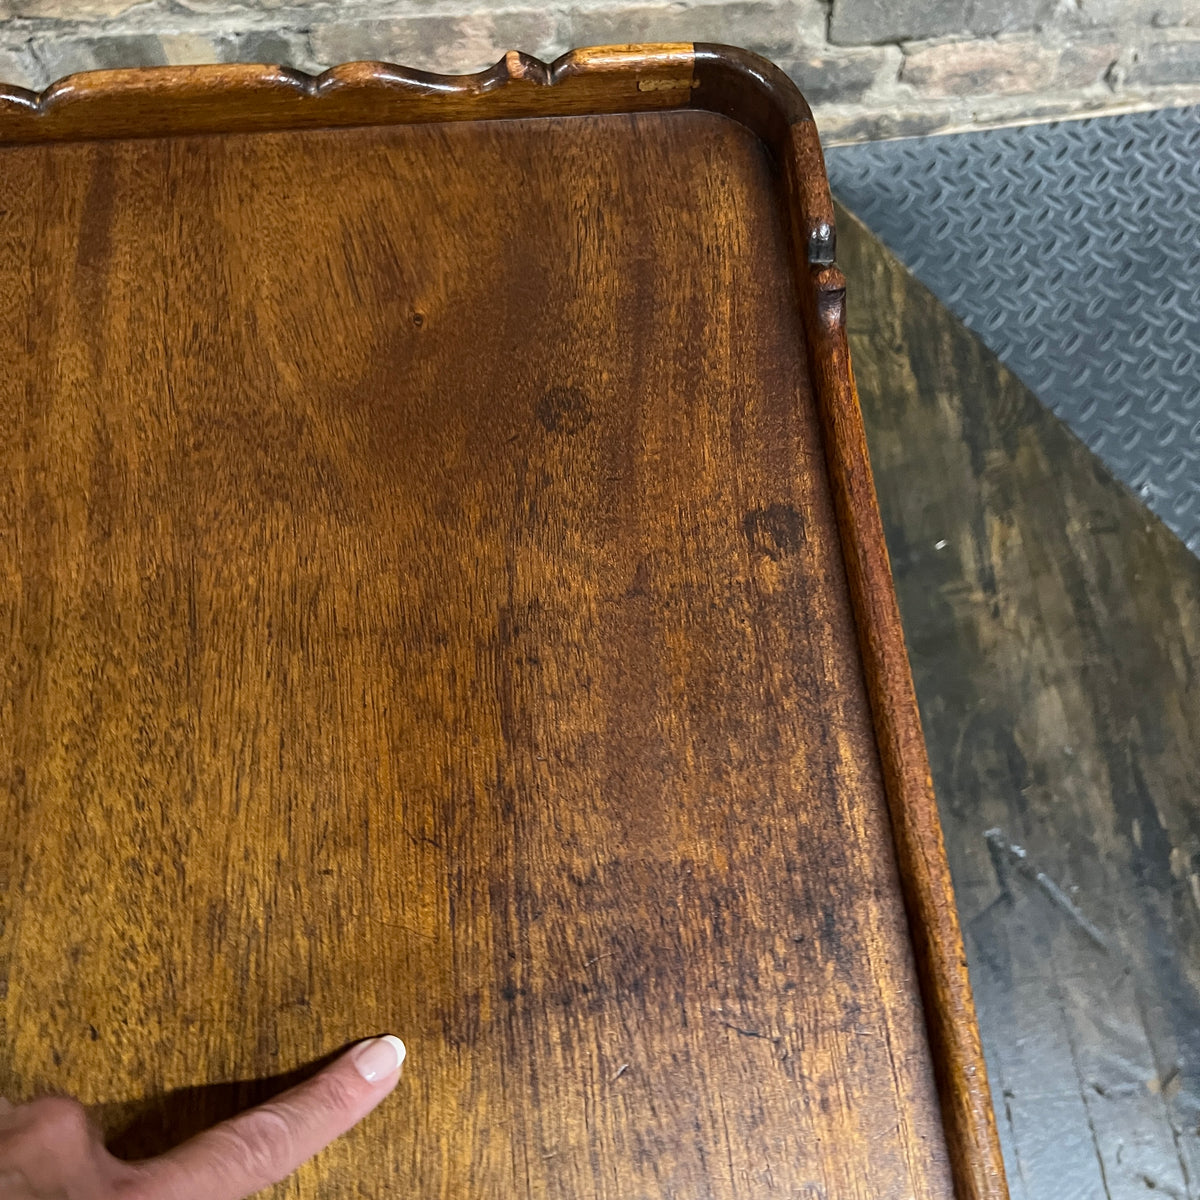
(871, 68)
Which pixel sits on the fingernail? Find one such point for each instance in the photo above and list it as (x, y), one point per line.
(380, 1058)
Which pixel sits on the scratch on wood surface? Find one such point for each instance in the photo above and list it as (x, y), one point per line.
(429, 937)
(750, 1033)
(666, 85)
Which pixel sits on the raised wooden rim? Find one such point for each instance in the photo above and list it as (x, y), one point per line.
(171, 101)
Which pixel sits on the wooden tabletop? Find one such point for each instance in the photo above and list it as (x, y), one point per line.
(425, 613)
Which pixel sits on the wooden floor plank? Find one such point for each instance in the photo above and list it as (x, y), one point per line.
(1054, 631)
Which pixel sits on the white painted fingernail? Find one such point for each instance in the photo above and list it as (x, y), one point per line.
(380, 1058)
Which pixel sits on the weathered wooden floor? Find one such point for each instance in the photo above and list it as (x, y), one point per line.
(1054, 631)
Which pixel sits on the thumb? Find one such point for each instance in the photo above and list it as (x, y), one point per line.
(263, 1145)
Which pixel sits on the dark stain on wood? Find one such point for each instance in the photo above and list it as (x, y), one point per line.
(774, 531)
(564, 409)
(1053, 627)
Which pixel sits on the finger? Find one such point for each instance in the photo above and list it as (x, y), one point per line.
(49, 1147)
(264, 1145)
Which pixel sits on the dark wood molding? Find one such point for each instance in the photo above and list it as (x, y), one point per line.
(750, 89)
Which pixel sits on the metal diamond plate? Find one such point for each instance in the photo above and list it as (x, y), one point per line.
(1073, 251)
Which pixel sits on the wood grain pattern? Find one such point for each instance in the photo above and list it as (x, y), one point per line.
(937, 940)
(971, 1133)
(509, 699)
(761, 96)
(1054, 627)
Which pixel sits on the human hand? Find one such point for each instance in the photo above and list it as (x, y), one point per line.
(49, 1149)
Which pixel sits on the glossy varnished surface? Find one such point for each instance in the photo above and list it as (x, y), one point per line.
(425, 613)
(155, 101)
(1054, 628)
